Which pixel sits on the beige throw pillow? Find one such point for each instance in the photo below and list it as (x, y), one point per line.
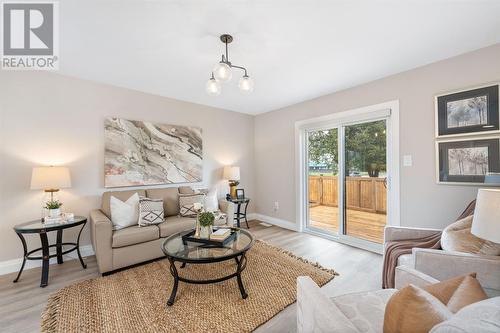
(412, 309)
(186, 203)
(457, 237)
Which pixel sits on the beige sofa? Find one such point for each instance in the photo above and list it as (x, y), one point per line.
(133, 245)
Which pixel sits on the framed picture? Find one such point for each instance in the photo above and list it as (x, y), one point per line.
(240, 193)
(469, 161)
(470, 111)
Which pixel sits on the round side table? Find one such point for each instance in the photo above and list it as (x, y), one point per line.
(40, 228)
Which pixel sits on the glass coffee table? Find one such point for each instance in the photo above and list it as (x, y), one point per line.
(187, 252)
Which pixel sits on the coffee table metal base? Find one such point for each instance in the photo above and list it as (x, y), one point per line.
(241, 262)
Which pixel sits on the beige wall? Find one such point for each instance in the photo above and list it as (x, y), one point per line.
(423, 202)
(50, 119)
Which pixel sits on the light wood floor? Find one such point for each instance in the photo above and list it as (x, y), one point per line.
(364, 225)
(22, 303)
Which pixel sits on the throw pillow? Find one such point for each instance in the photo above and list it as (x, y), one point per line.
(124, 214)
(412, 309)
(445, 289)
(186, 190)
(457, 237)
(211, 201)
(150, 211)
(186, 203)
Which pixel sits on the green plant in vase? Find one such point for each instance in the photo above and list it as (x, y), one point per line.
(206, 220)
(54, 207)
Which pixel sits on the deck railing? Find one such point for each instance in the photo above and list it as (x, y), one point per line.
(362, 193)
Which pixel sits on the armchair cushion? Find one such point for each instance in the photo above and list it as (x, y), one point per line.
(481, 317)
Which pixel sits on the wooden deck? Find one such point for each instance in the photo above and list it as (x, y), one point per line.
(364, 225)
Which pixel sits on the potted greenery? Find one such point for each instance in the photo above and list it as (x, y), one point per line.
(54, 207)
(206, 220)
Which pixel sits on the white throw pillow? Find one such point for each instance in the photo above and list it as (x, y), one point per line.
(124, 214)
(211, 202)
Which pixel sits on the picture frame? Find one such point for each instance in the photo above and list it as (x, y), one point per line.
(468, 161)
(468, 112)
(240, 193)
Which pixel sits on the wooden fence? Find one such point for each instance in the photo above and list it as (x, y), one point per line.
(362, 193)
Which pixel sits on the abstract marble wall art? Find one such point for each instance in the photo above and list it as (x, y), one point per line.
(144, 153)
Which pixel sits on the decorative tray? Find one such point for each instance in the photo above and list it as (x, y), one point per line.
(189, 237)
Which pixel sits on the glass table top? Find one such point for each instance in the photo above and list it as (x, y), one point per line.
(38, 224)
(174, 247)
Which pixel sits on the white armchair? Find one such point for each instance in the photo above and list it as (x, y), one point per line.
(442, 264)
(364, 311)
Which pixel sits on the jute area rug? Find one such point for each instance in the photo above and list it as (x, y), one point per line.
(135, 300)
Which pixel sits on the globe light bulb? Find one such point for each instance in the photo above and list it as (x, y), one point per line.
(213, 87)
(222, 72)
(246, 84)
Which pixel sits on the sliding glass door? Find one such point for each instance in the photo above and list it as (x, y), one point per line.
(365, 181)
(347, 174)
(323, 171)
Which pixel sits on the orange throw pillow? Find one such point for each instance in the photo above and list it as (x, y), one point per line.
(458, 292)
(414, 310)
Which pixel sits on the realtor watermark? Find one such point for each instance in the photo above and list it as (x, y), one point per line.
(30, 35)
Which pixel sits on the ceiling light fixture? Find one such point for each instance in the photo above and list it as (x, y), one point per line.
(222, 72)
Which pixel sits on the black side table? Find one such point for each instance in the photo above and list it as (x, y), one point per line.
(239, 215)
(37, 227)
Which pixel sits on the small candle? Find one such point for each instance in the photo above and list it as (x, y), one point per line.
(197, 205)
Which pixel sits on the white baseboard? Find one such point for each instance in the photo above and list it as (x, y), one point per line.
(13, 265)
(275, 221)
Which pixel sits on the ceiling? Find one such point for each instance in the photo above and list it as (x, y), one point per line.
(294, 50)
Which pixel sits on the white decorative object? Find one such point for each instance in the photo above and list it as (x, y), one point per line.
(197, 206)
(55, 212)
(144, 153)
(486, 221)
(69, 216)
(205, 232)
(211, 201)
(124, 214)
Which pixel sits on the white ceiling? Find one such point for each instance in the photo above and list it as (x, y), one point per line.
(294, 50)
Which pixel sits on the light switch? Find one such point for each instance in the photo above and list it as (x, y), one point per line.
(407, 161)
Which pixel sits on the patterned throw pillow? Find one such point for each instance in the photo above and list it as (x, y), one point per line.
(150, 211)
(186, 203)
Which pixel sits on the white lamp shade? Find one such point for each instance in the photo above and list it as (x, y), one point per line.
(232, 173)
(486, 220)
(50, 178)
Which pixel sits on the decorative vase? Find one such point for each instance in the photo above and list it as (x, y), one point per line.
(55, 212)
(205, 232)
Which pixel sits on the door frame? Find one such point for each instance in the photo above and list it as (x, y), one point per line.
(388, 110)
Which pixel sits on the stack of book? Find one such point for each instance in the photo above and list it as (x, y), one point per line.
(220, 234)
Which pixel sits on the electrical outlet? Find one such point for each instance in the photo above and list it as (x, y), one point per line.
(276, 206)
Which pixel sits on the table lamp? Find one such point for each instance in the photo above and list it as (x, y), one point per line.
(232, 173)
(486, 220)
(50, 179)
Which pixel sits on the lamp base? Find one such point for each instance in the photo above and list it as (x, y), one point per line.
(232, 191)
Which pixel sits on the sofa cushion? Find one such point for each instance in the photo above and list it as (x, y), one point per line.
(170, 197)
(135, 235)
(365, 310)
(458, 237)
(481, 317)
(122, 195)
(175, 224)
(124, 214)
